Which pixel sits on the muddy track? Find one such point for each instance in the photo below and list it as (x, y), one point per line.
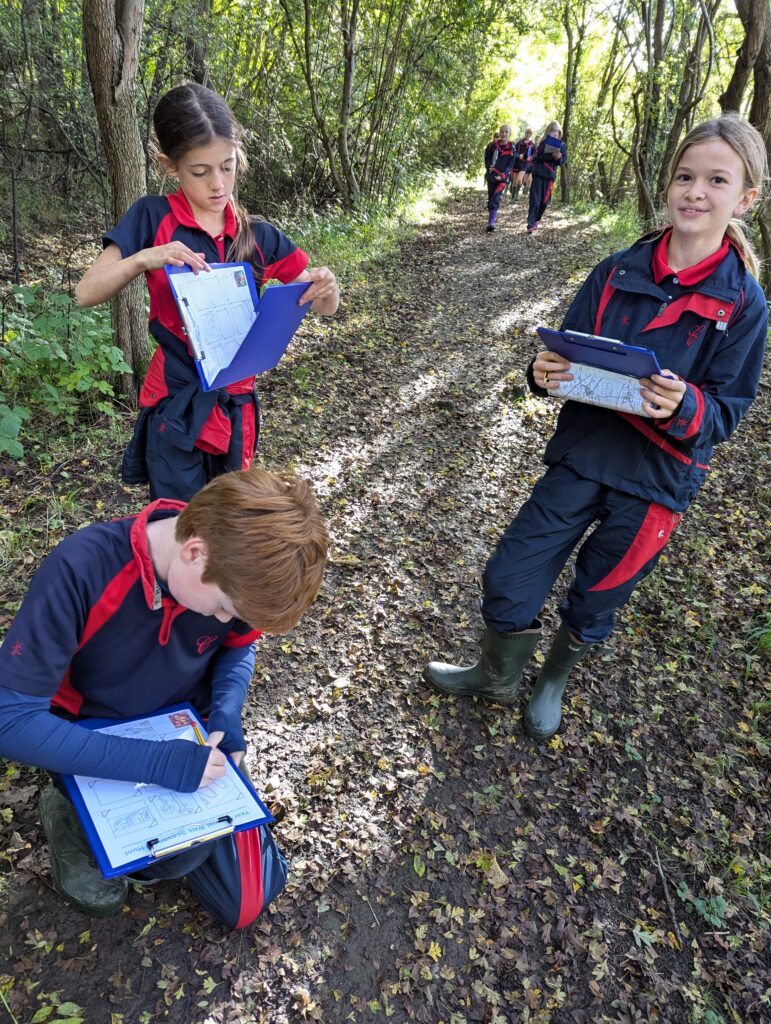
(444, 868)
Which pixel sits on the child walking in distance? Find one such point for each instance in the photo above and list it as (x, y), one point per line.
(499, 162)
(550, 155)
(185, 436)
(687, 292)
(524, 150)
(128, 617)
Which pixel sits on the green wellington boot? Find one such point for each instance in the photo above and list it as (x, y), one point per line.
(544, 712)
(76, 876)
(495, 677)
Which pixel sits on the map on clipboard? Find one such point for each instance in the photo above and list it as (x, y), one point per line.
(605, 372)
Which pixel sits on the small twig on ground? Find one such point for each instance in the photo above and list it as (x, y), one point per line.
(5, 1004)
(366, 900)
(657, 864)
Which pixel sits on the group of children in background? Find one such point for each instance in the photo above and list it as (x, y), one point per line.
(127, 617)
(529, 164)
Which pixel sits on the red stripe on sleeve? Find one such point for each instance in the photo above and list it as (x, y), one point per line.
(67, 696)
(698, 415)
(113, 596)
(287, 269)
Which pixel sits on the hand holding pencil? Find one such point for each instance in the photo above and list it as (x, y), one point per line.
(216, 766)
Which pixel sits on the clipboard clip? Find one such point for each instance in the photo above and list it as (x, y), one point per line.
(187, 322)
(157, 851)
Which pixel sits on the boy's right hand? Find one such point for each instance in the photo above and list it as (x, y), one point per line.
(215, 768)
(549, 369)
(174, 254)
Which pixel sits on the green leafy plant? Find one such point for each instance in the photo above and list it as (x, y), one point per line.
(11, 420)
(56, 361)
(712, 910)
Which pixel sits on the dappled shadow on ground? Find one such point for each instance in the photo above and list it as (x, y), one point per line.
(444, 867)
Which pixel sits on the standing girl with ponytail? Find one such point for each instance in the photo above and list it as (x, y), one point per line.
(184, 436)
(689, 293)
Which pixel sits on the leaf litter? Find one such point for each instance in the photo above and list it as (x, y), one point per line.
(444, 867)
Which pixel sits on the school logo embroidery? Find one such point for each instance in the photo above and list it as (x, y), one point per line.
(16, 649)
(205, 642)
(695, 334)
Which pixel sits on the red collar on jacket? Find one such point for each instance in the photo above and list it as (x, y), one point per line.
(159, 509)
(688, 276)
(181, 209)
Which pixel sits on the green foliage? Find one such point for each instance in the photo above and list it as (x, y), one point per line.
(347, 241)
(760, 636)
(10, 426)
(712, 910)
(57, 361)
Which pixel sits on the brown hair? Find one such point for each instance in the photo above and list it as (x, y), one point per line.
(266, 541)
(191, 115)
(748, 144)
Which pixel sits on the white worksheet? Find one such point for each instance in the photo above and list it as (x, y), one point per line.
(139, 820)
(217, 310)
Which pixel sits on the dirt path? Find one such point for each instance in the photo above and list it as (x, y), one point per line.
(444, 868)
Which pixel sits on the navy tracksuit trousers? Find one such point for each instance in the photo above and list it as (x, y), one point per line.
(495, 192)
(540, 194)
(233, 878)
(623, 548)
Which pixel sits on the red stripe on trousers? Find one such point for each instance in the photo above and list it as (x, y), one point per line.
(651, 538)
(249, 850)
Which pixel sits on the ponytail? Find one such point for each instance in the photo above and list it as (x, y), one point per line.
(191, 115)
(738, 236)
(243, 247)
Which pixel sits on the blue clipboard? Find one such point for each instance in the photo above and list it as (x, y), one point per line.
(260, 816)
(605, 353)
(278, 317)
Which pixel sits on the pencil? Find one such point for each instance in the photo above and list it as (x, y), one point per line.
(198, 734)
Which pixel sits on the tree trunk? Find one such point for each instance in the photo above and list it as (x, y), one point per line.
(755, 57)
(692, 86)
(575, 54)
(760, 117)
(112, 33)
(753, 15)
(349, 28)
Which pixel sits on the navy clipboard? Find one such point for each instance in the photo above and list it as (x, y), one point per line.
(277, 317)
(140, 808)
(605, 353)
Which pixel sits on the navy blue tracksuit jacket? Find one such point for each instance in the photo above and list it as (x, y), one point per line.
(632, 475)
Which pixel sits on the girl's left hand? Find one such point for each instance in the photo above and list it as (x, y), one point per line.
(324, 292)
(662, 394)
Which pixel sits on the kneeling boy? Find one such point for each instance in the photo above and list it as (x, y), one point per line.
(127, 617)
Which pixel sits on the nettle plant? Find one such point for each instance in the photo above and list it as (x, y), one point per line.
(57, 361)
